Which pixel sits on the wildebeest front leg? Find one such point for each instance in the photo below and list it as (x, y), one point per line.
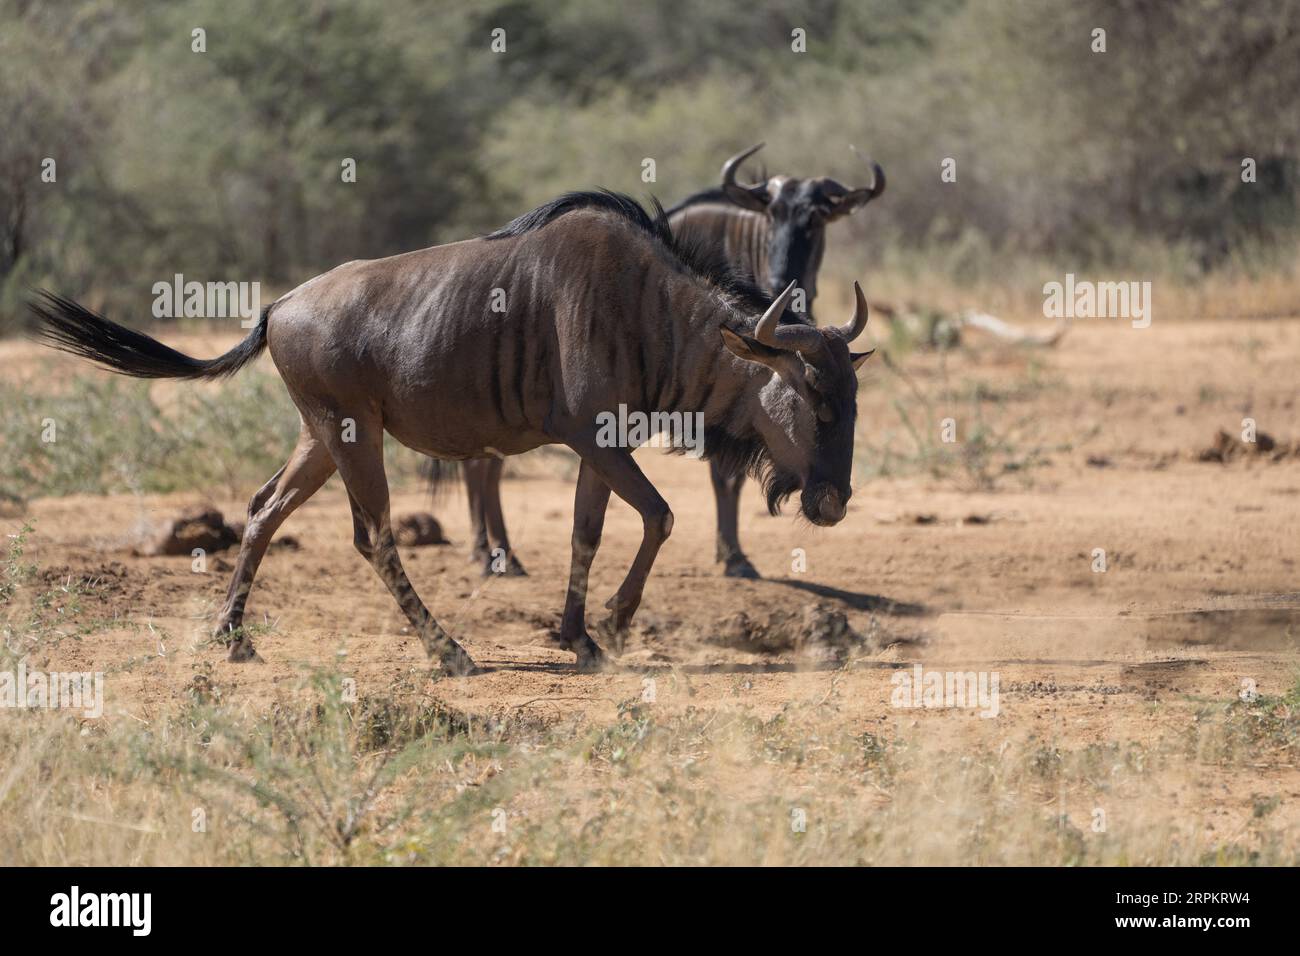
(589, 504)
(625, 479)
(726, 491)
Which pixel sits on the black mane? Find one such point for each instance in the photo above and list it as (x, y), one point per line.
(700, 258)
(604, 200)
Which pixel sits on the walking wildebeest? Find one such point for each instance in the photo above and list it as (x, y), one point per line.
(604, 308)
(774, 231)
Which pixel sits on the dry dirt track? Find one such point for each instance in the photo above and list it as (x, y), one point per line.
(1201, 590)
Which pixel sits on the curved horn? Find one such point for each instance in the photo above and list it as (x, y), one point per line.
(859, 321)
(792, 338)
(877, 176)
(860, 197)
(753, 196)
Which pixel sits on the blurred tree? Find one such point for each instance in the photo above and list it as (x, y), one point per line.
(228, 163)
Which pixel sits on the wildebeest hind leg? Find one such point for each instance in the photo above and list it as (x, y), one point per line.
(361, 463)
(589, 504)
(501, 557)
(307, 469)
(475, 471)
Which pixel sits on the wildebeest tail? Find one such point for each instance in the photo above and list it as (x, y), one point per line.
(437, 472)
(73, 328)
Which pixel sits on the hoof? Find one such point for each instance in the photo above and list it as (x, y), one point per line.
(590, 657)
(511, 568)
(242, 652)
(615, 637)
(739, 567)
(240, 644)
(457, 663)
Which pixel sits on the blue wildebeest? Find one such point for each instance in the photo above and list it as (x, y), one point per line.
(773, 231)
(605, 308)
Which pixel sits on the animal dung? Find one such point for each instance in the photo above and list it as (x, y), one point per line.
(1227, 448)
(200, 527)
(418, 529)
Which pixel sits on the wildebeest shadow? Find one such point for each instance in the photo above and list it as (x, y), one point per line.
(854, 599)
(664, 667)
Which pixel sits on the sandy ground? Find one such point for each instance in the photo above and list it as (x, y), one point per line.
(1199, 595)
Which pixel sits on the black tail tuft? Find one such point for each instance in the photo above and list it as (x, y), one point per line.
(73, 328)
(437, 472)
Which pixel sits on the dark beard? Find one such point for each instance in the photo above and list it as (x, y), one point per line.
(778, 486)
(734, 455)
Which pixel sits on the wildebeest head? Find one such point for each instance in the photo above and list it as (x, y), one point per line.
(798, 210)
(808, 407)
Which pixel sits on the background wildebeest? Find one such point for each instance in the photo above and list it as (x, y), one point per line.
(773, 231)
(605, 308)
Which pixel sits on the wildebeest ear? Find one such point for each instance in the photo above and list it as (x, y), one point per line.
(857, 358)
(751, 350)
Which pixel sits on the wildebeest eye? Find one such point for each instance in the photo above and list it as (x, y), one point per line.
(824, 412)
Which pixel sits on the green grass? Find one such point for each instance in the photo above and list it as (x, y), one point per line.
(995, 439)
(1262, 726)
(112, 435)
